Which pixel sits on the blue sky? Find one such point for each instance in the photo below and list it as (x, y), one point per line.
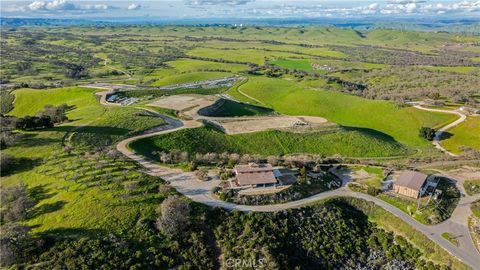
(259, 9)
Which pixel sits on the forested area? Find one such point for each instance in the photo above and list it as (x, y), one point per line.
(374, 54)
(414, 82)
(333, 235)
(328, 235)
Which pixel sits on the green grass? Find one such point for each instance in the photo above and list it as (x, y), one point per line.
(241, 55)
(30, 102)
(189, 77)
(231, 108)
(191, 65)
(376, 173)
(402, 124)
(293, 64)
(472, 187)
(114, 125)
(476, 208)
(96, 201)
(346, 142)
(466, 134)
(450, 238)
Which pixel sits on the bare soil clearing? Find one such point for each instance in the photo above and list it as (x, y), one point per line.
(190, 105)
(237, 126)
(183, 102)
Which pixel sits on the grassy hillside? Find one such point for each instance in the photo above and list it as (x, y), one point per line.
(191, 65)
(466, 134)
(29, 101)
(231, 108)
(402, 124)
(353, 143)
(93, 201)
(293, 64)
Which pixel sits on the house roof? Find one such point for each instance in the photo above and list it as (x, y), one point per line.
(256, 178)
(411, 179)
(254, 174)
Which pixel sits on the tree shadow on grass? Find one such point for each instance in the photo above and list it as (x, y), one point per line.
(32, 141)
(39, 193)
(21, 165)
(46, 208)
(372, 132)
(446, 135)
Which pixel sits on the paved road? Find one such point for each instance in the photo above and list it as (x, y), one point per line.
(438, 134)
(200, 191)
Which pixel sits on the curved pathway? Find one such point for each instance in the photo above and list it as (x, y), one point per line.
(438, 134)
(201, 192)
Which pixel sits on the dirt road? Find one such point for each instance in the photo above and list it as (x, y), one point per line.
(439, 133)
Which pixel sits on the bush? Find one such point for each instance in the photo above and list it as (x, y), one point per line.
(174, 216)
(6, 162)
(427, 133)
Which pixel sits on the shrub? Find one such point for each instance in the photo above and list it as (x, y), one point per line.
(427, 133)
(174, 216)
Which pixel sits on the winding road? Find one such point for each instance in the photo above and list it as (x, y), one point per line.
(201, 192)
(439, 133)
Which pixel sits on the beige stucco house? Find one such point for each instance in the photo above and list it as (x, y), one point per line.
(410, 184)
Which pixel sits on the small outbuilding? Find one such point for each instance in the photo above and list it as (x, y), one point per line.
(255, 175)
(410, 184)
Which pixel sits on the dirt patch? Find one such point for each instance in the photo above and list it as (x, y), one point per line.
(465, 173)
(264, 123)
(183, 102)
(362, 175)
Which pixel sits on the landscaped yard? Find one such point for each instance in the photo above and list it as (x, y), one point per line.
(303, 188)
(370, 176)
(472, 187)
(450, 238)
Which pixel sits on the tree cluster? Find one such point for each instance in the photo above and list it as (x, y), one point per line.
(47, 118)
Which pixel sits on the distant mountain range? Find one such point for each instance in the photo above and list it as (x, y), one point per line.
(464, 26)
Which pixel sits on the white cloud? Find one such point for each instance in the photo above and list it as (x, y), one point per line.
(37, 5)
(404, 2)
(63, 5)
(60, 5)
(134, 6)
(216, 2)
